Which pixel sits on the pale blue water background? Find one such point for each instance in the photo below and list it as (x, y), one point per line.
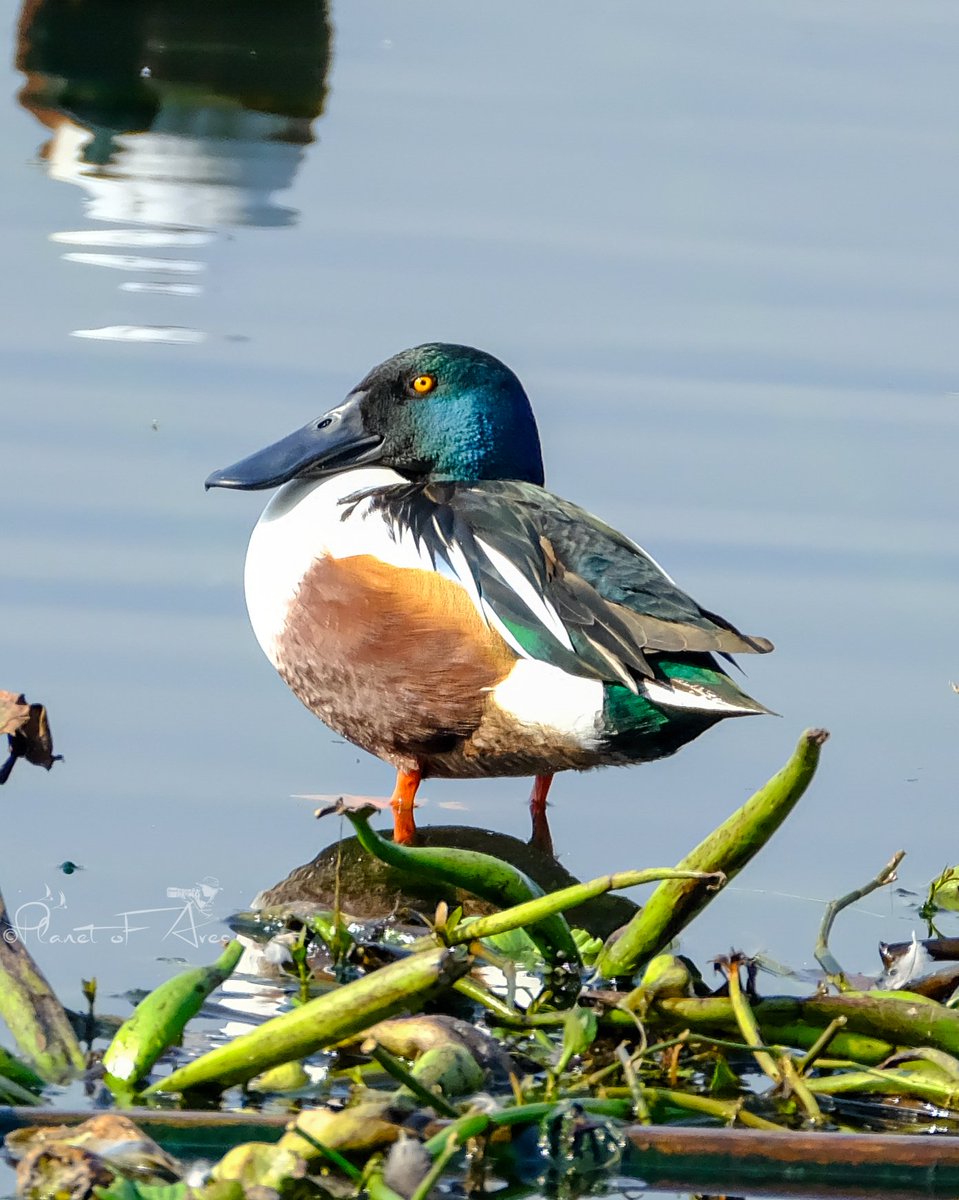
(719, 245)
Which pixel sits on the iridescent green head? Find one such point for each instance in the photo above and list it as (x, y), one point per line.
(434, 412)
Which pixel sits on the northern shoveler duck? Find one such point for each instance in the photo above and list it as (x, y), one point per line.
(421, 593)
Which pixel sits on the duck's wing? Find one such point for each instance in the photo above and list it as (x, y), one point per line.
(559, 584)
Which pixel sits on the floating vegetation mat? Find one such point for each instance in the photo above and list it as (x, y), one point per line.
(498, 1047)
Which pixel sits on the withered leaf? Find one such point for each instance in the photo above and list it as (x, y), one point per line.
(110, 1139)
(61, 1170)
(28, 733)
(14, 712)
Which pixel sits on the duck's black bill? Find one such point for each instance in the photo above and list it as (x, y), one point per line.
(332, 443)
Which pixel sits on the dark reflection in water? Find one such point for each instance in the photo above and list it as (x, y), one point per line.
(175, 117)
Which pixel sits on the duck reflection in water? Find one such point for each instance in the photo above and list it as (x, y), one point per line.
(175, 118)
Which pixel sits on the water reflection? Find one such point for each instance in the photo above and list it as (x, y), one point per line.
(177, 119)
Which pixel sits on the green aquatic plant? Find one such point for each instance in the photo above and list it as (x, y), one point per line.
(560, 1086)
(159, 1020)
(323, 1021)
(727, 849)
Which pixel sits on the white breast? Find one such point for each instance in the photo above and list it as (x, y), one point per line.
(304, 521)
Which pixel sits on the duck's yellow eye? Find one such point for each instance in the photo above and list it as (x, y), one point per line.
(423, 384)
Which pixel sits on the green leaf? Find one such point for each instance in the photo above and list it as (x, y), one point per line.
(724, 1081)
(579, 1033)
(128, 1189)
(589, 947)
(943, 892)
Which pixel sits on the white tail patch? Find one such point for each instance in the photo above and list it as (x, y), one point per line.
(539, 695)
(687, 695)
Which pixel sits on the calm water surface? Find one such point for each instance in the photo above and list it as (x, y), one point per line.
(719, 245)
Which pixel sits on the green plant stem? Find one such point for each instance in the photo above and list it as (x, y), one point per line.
(822, 952)
(728, 848)
(14, 1093)
(431, 1178)
(32, 1012)
(543, 1020)
(820, 1045)
(799, 1087)
(875, 1026)
(747, 1023)
(333, 1156)
(728, 1111)
(891, 1082)
(403, 986)
(640, 1107)
(521, 915)
(468, 987)
(475, 1124)
(12, 1068)
(377, 1188)
(159, 1019)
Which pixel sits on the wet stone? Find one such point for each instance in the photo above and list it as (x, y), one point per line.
(370, 889)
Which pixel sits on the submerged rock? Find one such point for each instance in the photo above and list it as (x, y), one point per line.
(370, 890)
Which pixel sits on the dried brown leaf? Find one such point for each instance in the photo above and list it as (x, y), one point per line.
(28, 733)
(14, 712)
(60, 1170)
(108, 1137)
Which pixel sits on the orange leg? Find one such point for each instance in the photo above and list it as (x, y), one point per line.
(542, 839)
(402, 801)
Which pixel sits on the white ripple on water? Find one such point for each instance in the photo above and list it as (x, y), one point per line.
(171, 334)
(168, 289)
(138, 262)
(132, 237)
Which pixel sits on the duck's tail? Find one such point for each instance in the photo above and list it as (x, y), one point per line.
(700, 685)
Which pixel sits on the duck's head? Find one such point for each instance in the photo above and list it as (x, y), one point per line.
(434, 412)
